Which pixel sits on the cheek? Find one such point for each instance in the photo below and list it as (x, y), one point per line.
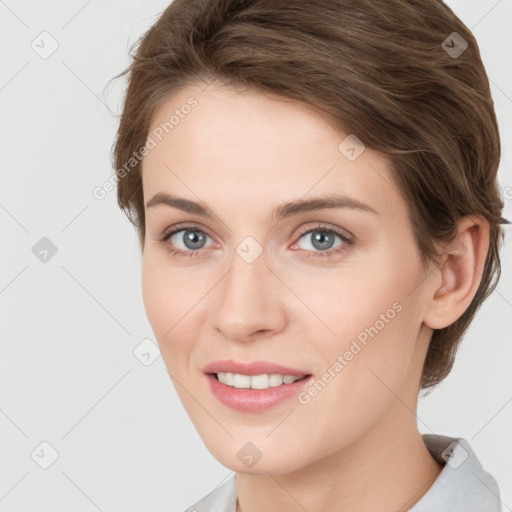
(168, 301)
(176, 304)
(372, 321)
(156, 294)
(375, 319)
(366, 293)
(167, 292)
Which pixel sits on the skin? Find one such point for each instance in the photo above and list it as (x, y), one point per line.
(243, 154)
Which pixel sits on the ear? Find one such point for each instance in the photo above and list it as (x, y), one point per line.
(461, 273)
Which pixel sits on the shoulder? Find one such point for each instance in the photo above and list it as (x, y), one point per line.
(221, 499)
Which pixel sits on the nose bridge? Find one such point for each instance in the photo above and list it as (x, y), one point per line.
(247, 298)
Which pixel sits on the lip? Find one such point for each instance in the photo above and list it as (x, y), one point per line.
(252, 368)
(253, 400)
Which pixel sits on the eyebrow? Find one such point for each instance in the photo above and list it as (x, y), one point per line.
(283, 211)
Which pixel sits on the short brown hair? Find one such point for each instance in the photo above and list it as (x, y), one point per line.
(379, 68)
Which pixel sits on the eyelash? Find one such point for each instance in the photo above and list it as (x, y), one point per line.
(348, 242)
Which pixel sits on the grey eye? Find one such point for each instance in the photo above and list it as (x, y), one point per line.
(193, 239)
(320, 239)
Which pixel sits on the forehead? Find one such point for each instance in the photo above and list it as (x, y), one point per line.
(249, 145)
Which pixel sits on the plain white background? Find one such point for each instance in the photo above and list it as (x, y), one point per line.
(68, 373)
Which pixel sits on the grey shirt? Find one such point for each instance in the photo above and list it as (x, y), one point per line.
(462, 486)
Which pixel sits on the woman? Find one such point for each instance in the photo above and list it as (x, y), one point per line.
(314, 187)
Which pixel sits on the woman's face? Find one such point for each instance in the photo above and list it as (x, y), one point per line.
(274, 278)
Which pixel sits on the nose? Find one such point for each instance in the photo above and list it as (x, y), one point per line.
(247, 303)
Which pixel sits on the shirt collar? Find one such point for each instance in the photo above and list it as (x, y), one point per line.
(463, 485)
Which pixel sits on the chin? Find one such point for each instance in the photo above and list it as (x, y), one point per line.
(259, 456)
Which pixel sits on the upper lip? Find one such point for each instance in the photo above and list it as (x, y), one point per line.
(252, 368)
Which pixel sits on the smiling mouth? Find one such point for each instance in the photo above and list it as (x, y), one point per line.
(262, 381)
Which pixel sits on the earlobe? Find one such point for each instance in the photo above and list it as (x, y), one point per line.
(460, 272)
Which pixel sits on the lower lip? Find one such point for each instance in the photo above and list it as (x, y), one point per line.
(254, 400)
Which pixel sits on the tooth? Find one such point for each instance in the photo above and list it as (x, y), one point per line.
(241, 381)
(263, 381)
(259, 381)
(275, 380)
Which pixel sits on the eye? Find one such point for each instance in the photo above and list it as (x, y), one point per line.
(321, 239)
(191, 239)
